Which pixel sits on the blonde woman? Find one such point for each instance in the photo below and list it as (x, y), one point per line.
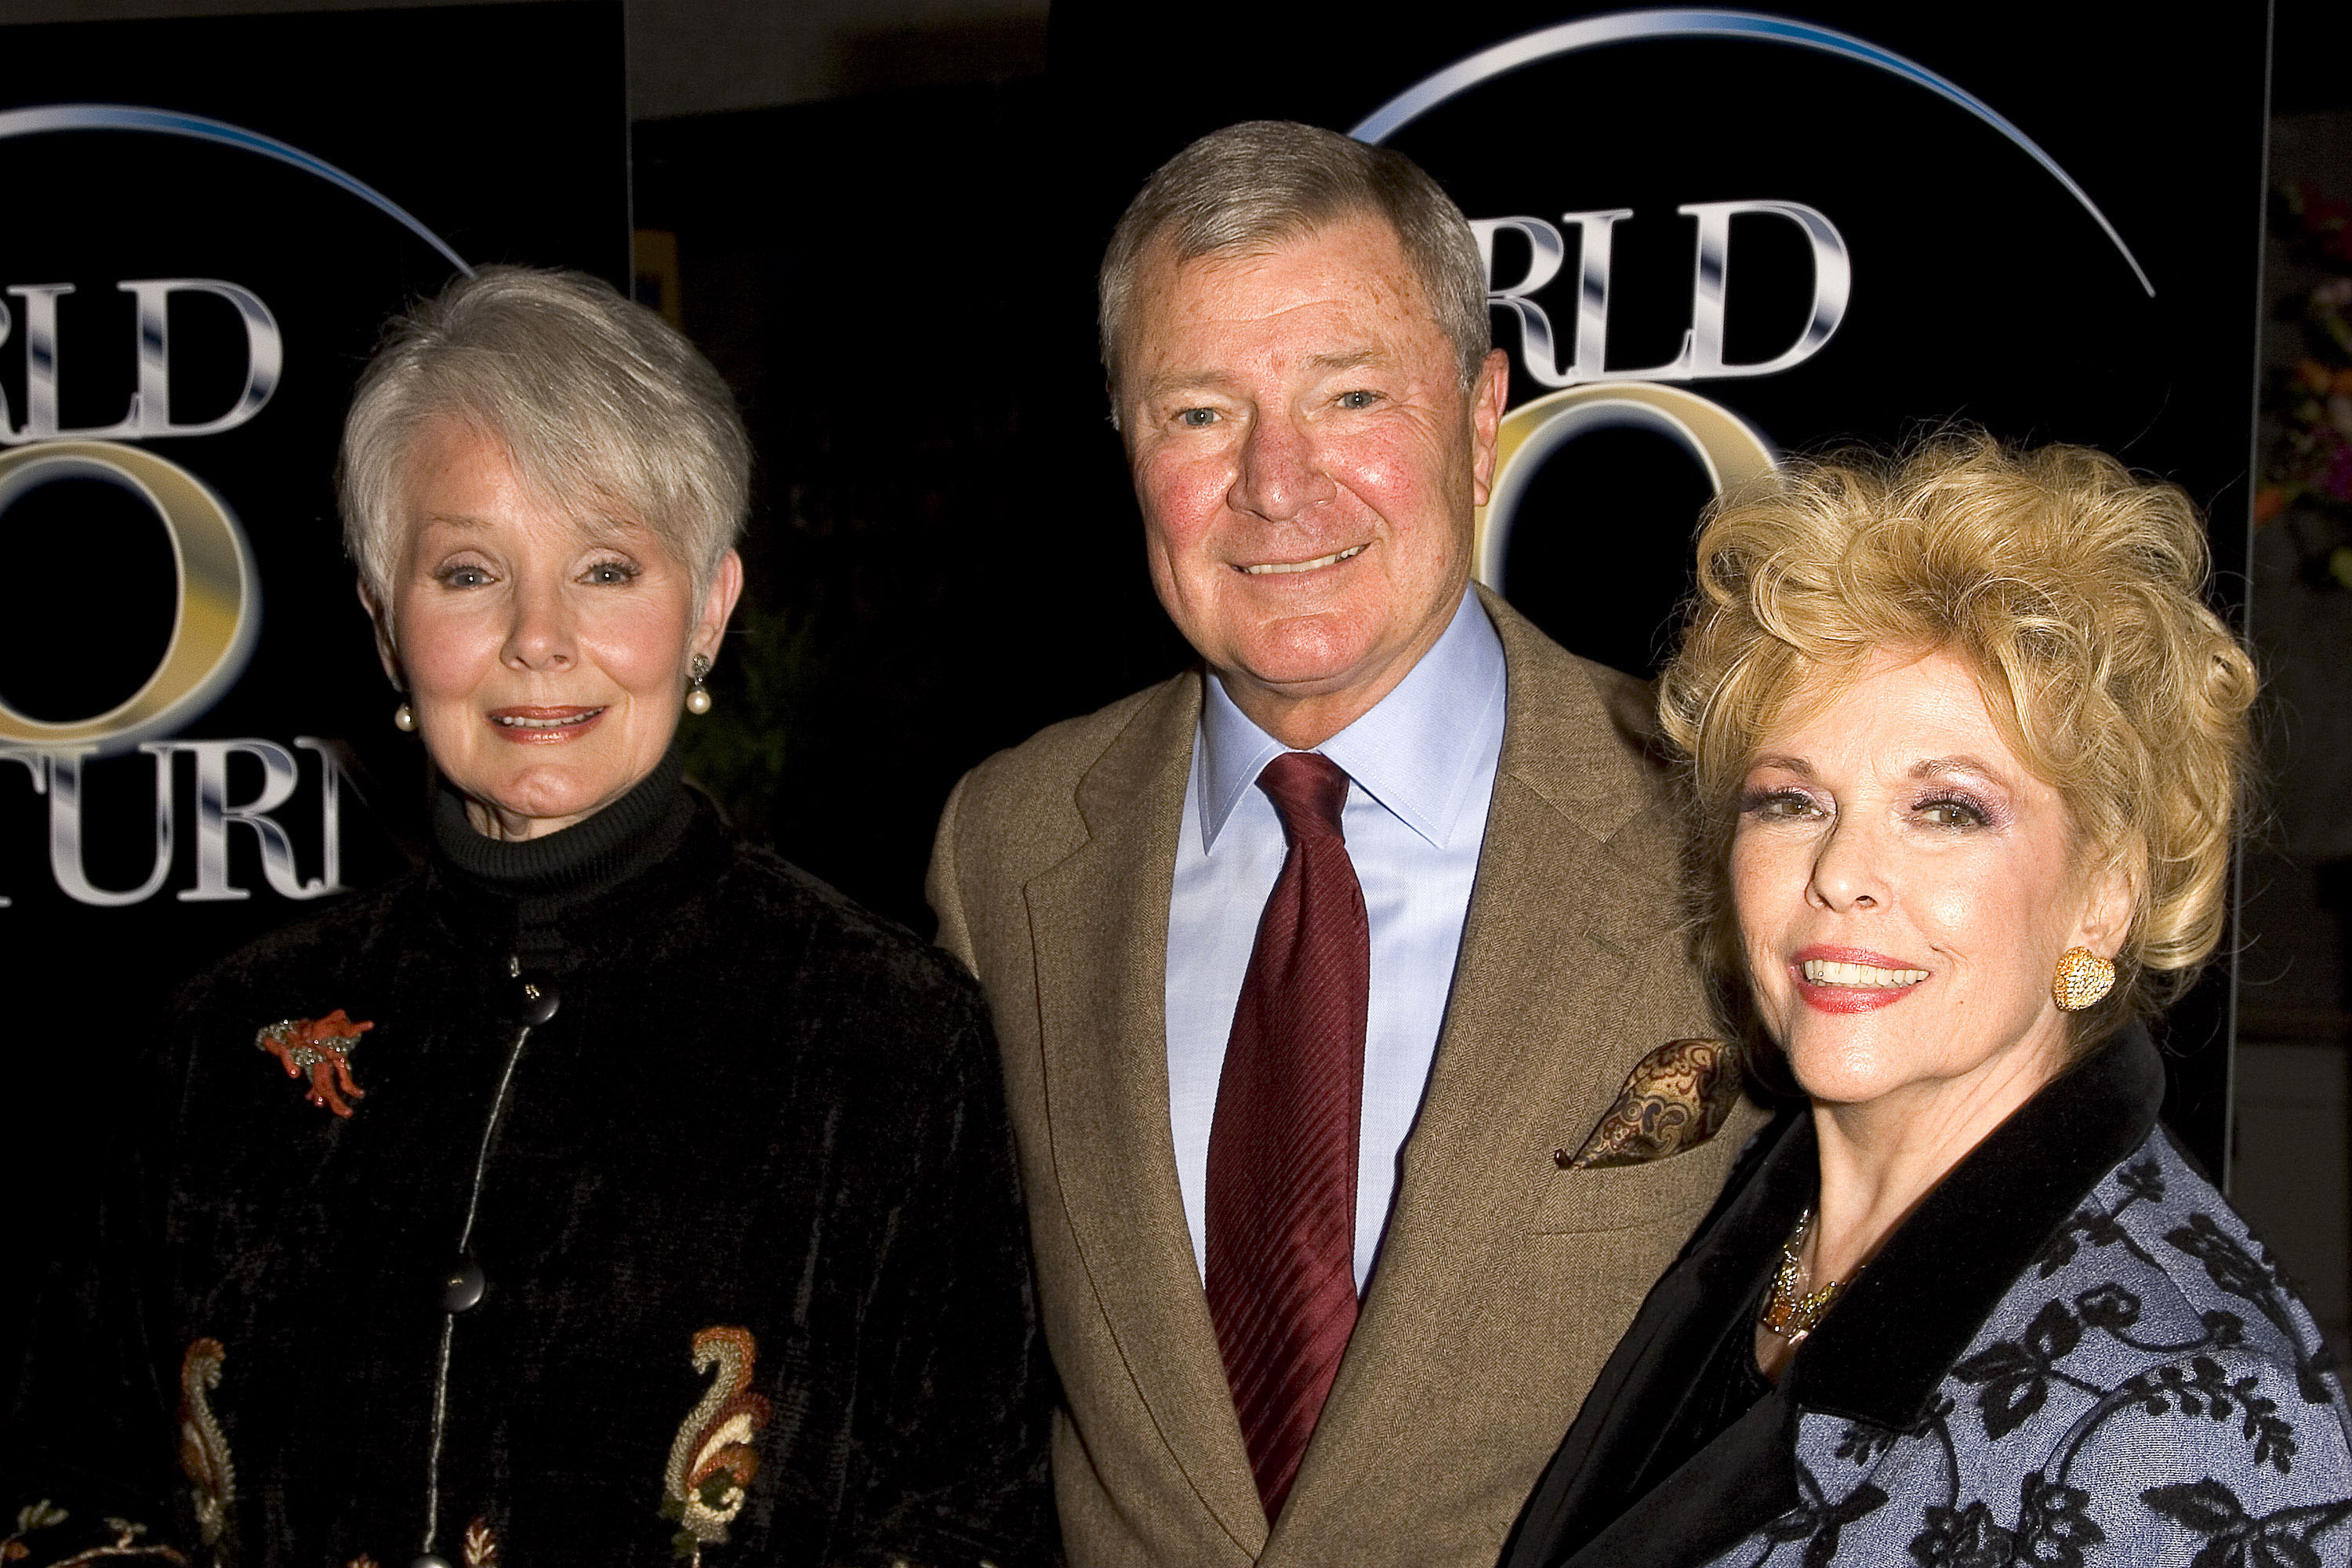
(1965, 750)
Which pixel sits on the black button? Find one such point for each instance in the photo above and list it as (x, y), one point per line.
(462, 1288)
(536, 1000)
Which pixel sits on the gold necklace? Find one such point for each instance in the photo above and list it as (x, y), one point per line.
(1789, 1313)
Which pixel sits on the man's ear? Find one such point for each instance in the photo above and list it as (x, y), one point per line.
(380, 616)
(719, 605)
(1487, 396)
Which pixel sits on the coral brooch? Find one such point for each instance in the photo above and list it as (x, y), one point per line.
(318, 1049)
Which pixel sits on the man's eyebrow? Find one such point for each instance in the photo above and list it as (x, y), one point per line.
(1173, 380)
(1348, 359)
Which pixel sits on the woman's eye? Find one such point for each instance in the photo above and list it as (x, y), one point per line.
(612, 573)
(462, 576)
(1779, 806)
(1951, 813)
(1358, 399)
(1197, 419)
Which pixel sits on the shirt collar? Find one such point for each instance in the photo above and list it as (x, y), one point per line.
(1412, 751)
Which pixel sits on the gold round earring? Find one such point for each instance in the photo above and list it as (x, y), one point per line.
(2081, 979)
(697, 697)
(403, 719)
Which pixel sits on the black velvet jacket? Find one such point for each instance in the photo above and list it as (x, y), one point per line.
(675, 1215)
(2072, 1352)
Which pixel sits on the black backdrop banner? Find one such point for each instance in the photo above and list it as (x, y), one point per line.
(1714, 236)
(210, 221)
(899, 287)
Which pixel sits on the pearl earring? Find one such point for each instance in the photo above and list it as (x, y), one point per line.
(698, 698)
(403, 719)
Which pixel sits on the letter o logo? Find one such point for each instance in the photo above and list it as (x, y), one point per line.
(219, 591)
(1729, 447)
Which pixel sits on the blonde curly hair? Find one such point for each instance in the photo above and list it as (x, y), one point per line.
(2070, 587)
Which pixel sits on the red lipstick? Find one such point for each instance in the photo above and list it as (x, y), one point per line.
(1827, 998)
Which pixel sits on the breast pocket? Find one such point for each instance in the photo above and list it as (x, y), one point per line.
(1627, 1198)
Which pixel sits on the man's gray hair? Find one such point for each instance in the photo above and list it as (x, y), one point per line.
(1267, 183)
(602, 406)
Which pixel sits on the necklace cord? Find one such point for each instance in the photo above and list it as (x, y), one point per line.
(449, 1320)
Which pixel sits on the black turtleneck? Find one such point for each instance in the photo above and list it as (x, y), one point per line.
(542, 882)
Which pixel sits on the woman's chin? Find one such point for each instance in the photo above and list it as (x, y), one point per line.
(546, 799)
(1835, 1062)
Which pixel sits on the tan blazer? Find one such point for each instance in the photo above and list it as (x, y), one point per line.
(1504, 1282)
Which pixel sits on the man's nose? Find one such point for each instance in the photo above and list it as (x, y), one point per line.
(540, 636)
(1281, 471)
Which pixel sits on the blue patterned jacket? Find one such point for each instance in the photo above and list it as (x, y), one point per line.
(2071, 1354)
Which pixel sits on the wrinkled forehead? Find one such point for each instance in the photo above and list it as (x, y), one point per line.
(1351, 277)
(1880, 694)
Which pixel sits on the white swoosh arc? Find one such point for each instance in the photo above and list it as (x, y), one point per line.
(47, 118)
(1632, 26)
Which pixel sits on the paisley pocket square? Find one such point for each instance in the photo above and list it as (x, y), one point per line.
(1674, 1100)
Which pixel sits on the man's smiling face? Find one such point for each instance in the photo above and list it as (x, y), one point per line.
(1308, 465)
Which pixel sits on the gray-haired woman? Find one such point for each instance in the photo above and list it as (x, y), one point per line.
(634, 1194)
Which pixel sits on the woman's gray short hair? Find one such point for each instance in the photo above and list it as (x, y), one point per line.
(1270, 182)
(599, 403)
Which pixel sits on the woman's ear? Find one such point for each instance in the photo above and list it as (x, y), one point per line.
(2109, 904)
(380, 617)
(719, 605)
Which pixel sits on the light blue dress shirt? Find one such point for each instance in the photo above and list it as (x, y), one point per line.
(1421, 766)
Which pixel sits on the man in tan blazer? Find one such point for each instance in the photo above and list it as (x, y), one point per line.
(1295, 327)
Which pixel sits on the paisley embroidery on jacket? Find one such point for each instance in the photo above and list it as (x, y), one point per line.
(33, 1516)
(318, 1049)
(713, 1460)
(203, 1449)
(47, 1515)
(1674, 1100)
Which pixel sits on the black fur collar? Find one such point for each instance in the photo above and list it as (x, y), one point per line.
(1908, 1317)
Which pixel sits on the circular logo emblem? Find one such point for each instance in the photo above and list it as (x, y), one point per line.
(1727, 446)
(218, 609)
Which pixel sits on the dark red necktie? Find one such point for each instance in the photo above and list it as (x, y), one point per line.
(1282, 1150)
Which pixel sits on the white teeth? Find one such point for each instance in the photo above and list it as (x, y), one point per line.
(1349, 553)
(515, 722)
(1821, 971)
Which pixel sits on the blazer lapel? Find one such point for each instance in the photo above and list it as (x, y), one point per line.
(1552, 918)
(1099, 924)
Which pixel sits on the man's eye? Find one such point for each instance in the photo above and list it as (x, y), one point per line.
(1360, 398)
(1197, 419)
